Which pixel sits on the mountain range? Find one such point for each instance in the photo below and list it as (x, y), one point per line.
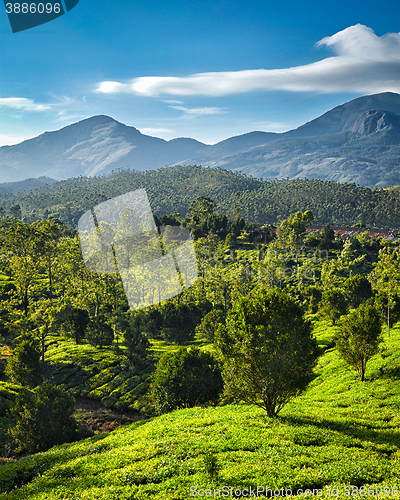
(358, 141)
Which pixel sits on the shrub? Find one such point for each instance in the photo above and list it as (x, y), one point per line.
(43, 418)
(186, 378)
(23, 366)
(99, 332)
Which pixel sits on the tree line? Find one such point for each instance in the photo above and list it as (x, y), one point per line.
(173, 189)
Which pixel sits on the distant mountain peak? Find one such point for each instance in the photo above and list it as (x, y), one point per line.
(358, 141)
(342, 118)
(98, 119)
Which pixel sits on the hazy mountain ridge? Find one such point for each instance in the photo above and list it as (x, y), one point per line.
(343, 117)
(358, 141)
(346, 157)
(25, 185)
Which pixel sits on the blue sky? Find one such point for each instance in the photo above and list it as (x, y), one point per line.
(207, 70)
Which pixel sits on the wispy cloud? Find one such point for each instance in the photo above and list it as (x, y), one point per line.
(64, 116)
(363, 62)
(10, 139)
(172, 101)
(155, 131)
(199, 111)
(22, 104)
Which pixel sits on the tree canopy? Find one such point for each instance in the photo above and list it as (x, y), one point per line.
(268, 350)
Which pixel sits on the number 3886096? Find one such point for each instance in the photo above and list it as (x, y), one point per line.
(33, 8)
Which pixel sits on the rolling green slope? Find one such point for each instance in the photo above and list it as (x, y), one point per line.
(340, 432)
(98, 374)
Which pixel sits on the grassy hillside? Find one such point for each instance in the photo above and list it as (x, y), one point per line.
(99, 374)
(102, 374)
(340, 432)
(106, 386)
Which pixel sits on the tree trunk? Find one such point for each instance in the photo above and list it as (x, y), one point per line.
(26, 303)
(50, 282)
(43, 374)
(388, 315)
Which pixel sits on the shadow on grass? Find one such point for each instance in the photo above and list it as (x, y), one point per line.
(365, 432)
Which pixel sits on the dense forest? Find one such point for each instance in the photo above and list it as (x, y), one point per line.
(174, 188)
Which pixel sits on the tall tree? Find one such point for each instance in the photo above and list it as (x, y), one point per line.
(359, 337)
(386, 276)
(22, 241)
(267, 348)
(49, 232)
(291, 231)
(43, 317)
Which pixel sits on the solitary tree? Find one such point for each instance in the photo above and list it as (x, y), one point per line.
(386, 277)
(268, 350)
(99, 332)
(333, 304)
(209, 324)
(73, 321)
(359, 337)
(136, 343)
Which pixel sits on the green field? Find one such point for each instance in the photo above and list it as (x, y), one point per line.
(340, 432)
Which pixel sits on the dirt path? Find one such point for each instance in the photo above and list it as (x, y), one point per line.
(94, 418)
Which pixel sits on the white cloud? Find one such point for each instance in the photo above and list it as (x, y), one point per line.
(198, 111)
(364, 63)
(173, 101)
(270, 126)
(64, 116)
(22, 104)
(156, 131)
(10, 139)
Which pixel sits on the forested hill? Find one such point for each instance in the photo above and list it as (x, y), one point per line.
(174, 188)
